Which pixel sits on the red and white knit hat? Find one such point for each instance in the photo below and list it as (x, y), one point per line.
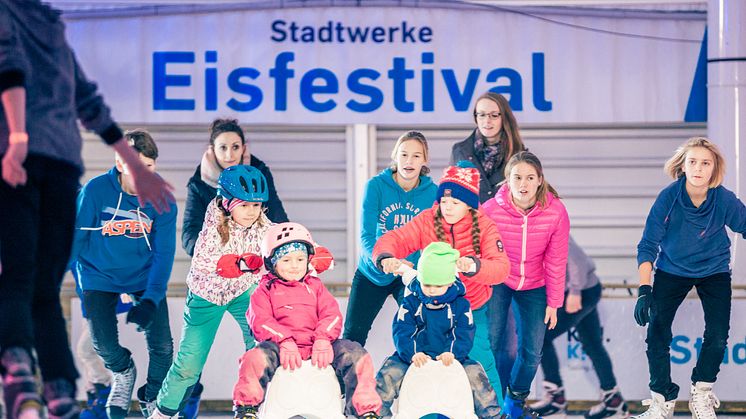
(461, 182)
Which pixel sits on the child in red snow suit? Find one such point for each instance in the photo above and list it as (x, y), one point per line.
(295, 317)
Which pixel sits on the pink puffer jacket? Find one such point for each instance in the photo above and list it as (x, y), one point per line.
(536, 243)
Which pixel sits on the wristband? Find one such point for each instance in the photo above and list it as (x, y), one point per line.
(18, 137)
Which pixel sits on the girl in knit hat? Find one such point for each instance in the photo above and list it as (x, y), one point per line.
(435, 322)
(295, 317)
(536, 229)
(455, 219)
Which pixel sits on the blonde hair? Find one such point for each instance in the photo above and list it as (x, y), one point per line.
(674, 167)
(411, 136)
(224, 216)
(530, 158)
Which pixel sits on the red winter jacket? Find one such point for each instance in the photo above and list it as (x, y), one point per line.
(537, 243)
(492, 264)
(301, 310)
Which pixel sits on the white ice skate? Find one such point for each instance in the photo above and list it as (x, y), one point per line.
(658, 407)
(703, 401)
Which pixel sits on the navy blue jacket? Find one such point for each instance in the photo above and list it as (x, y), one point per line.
(434, 325)
(688, 241)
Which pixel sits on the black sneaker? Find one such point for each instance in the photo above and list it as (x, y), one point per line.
(553, 403)
(612, 405)
(245, 412)
(60, 397)
(19, 385)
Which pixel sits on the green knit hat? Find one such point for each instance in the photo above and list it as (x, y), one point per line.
(437, 264)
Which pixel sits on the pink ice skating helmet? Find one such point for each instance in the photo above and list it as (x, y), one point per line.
(281, 234)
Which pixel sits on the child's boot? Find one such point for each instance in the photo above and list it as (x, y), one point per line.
(514, 407)
(612, 406)
(191, 407)
(122, 385)
(245, 412)
(658, 407)
(96, 408)
(553, 403)
(60, 397)
(703, 401)
(22, 400)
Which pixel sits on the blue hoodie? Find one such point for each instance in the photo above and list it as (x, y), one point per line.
(434, 325)
(120, 247)
(387, 206)
(688, 241)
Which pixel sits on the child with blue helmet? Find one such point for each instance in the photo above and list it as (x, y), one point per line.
(225, 271)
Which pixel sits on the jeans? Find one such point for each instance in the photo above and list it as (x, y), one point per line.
(37, 222)
(669, 292)
(366, 300)
(391, 375)
(529, 308)
(201, 321)
(102, 321)
(94, 370)
(590, 334)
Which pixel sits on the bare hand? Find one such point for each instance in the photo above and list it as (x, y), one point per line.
(419, 359)
(573, 303)
(446, 358)
(390, 265)
(550, 319)
(464, 264)
(14, 174)
(152, 189)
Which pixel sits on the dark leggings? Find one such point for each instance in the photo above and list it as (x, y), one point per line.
(366, 300)
(588, 331)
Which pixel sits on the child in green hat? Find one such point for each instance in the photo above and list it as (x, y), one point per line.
(435, 322)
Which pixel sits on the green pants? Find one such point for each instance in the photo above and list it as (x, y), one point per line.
(482, 352)
(201, 321)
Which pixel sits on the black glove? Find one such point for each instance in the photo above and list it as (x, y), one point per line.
(644, 304)
(142, 313)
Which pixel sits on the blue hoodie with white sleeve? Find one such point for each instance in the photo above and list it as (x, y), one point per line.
(119, 246)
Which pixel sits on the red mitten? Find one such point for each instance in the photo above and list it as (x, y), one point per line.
(228, 266)
(250, 262)
(322, 353)
(322, 259)
(289, 355)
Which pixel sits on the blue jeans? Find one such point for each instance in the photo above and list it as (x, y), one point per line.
(102, 320)
(391, 375)
(529, 308)
(669, 292)
(589, 332)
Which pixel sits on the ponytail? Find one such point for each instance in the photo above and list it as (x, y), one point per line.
(223, 217)
(475, 231)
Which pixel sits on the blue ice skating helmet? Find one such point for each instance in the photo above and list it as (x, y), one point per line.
(243, 182)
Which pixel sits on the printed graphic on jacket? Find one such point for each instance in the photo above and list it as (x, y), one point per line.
(131, 223)
(396, 215)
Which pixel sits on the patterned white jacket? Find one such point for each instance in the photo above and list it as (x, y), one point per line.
(203, 279)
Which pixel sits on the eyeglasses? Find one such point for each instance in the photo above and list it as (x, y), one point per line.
(483, 116)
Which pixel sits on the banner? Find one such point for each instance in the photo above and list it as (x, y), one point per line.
(399, 65)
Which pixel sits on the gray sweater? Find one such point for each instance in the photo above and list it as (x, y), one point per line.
(58, 94)
(581, 270)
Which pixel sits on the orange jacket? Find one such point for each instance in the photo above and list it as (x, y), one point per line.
(492, 263)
